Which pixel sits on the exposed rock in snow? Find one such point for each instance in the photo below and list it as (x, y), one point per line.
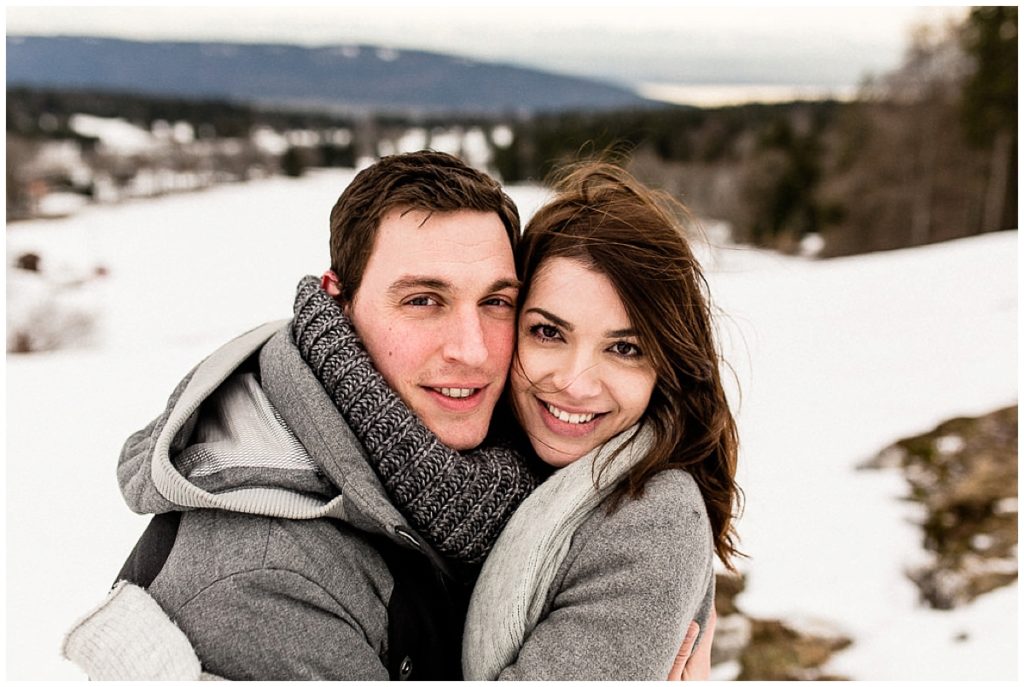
(964, 473)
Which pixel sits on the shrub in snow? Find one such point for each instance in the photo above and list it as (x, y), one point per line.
(44, 313)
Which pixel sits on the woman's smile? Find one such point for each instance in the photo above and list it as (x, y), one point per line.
(569, 424)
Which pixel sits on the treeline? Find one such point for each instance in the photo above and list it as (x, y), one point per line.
(37, 114)
(211, 118)
(755, 166)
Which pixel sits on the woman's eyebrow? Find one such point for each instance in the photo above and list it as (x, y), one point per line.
(554, 318)
(613, 334)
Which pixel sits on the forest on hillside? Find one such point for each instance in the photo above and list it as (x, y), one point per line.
(925, 153)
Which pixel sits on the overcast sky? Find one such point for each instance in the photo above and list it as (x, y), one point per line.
(623, 42)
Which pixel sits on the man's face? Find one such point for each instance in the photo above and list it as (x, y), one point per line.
(436, 311)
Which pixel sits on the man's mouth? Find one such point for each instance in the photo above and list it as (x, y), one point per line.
(455, 392)
(458, 399)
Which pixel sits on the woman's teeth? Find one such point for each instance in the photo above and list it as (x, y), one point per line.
(571, 418)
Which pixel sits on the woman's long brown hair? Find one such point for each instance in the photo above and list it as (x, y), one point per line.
(634, 235)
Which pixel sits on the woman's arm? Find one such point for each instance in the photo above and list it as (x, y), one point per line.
(459, 502)
(627, 591)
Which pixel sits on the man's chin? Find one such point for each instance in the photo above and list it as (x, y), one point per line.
(460, 430)
(459, 438)
(461, 443)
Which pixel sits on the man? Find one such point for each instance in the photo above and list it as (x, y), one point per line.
(422, 247)
(291, 561)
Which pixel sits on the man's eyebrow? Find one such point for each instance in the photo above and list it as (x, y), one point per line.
(433, 283)
(502, 284)
(554, 318)
(417, 282)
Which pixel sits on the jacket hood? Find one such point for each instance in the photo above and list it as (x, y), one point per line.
(251, 430)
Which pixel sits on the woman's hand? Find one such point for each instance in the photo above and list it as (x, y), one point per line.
(690, 665)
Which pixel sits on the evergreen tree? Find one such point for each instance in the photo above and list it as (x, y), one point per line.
(989, 106)
(990, 92)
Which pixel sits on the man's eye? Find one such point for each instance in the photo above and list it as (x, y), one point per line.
(500, 302)
(626, 349)
(545, 332)
(421, 301)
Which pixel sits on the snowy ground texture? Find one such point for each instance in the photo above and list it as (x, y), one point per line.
(835, 360)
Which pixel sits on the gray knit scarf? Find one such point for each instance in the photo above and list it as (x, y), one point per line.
(458, 502)
(513, 586)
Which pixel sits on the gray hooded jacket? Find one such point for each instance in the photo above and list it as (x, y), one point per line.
(279, 572)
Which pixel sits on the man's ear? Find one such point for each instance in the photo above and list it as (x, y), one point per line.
(330, 283)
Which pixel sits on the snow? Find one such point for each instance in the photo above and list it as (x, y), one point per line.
(471, 144)
(179, 132)
(476, 149)
(269, 141)
(115, 134)
(60, 155)
(302, 137)
(502, 136)
(721, 95)
(60, 204)
(51, 311)
(341, 137)
(413, 139)
(446, 140)
(835, 360)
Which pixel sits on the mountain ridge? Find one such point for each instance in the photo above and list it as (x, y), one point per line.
(349, 78)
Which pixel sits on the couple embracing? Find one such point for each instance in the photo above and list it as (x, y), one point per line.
(473, 452)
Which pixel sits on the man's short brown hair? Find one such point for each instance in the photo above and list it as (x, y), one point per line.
(425, 180)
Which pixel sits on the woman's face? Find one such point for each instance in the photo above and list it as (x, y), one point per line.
(579, 377)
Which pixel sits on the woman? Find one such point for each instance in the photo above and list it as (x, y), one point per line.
(616, 385)
(616, 382)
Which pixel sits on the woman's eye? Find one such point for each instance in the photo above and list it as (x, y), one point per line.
(545, 332)
(626, 349)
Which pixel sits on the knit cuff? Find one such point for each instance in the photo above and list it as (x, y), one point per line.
(129, 637)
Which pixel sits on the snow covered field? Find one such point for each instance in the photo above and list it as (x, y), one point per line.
(835, 361)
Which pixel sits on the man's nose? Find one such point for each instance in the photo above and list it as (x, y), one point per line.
(464, 342)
